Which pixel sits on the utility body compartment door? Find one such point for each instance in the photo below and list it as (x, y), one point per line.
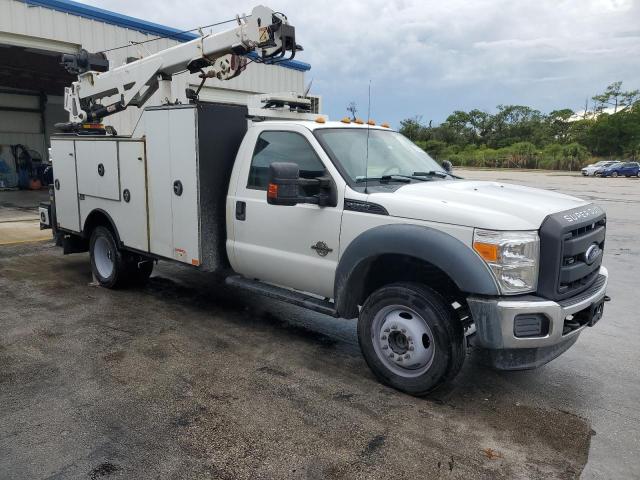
(65, 184)
(98, 170)
(133, 195)
(128, 210)
(172, 176)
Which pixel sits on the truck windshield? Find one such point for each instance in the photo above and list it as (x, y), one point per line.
(391, 155)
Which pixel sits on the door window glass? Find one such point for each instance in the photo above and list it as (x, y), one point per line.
(283, 147)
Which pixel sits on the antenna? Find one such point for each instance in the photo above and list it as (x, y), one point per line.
(366, 163)
(306, 90)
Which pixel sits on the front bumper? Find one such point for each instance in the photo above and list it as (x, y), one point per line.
(494, 319)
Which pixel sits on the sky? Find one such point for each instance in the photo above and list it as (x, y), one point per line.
(428, 58)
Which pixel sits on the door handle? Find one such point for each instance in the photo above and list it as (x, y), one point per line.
(177, 187)
(241, 211)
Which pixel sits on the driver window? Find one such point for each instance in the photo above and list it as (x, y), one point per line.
(283, 147)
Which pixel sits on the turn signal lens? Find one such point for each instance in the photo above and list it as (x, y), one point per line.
(385, 125)
(320, 120)
(371, 122)
(272, 191)
(487, 251)
(359, 121)
(346, 120)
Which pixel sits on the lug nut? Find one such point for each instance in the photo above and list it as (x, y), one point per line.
(399, 359)
(406, 357)
(386, 330)
(404, 330)
(394, 327)
(384, 337)
(411, 348)
(391, 355)
(385, 347)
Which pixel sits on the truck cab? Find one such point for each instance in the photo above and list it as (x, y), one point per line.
(519, 268)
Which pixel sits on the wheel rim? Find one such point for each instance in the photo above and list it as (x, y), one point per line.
(403, 341)
(103, 257)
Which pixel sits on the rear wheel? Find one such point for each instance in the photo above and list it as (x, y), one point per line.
(410, 338)
(614, 174)
(107, 263)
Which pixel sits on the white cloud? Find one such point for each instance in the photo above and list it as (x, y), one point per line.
(431, 57)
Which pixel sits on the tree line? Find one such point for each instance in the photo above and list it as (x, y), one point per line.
(522, 137)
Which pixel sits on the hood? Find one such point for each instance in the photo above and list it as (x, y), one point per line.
(490, 205)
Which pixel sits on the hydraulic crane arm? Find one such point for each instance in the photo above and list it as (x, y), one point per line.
(265, 33)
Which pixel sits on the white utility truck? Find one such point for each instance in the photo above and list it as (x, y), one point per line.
(345, 218)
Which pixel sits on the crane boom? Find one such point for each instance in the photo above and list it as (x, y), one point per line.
(265, 33)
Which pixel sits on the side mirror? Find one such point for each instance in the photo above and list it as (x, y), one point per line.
(448, 166)
(285, 182)
(283, 188)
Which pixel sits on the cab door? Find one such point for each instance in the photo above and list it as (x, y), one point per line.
(291, 246)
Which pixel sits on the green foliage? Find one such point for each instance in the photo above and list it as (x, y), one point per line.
(518, 136)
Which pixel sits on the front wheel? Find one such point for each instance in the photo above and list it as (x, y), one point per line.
(410, 338)
(614, 174)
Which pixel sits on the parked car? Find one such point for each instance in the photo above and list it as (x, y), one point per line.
(598, 172)
(591, 170)
(628, 169)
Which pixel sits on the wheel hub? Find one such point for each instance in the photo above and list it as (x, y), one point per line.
(403, 340)
(398, 342)
(103, 257)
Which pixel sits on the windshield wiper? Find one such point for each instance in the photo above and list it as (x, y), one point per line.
(384, 178)
(436, 173)
(431, 173)
(392, 178)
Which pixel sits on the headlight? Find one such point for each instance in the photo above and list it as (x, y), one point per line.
(512, 256)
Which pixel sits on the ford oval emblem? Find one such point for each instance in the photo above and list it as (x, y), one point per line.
(592, 253)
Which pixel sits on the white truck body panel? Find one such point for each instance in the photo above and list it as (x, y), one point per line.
(133, 180)
(481, 204)
(78, 197)
(172, 156)
(63, 158)
(274, 243)
(96, 157)
(356, 223)
(131, 216)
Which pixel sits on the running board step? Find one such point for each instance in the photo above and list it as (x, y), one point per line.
(283, 294)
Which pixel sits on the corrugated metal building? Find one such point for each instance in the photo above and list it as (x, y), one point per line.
(34, 34)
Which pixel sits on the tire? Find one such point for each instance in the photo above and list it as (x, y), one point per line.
(433, 338)
(139, 270)
(638, 174)
(107, 262)
(614, 174)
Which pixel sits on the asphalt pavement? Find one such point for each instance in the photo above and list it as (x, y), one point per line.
(185, 378)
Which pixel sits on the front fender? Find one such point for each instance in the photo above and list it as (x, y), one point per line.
(463, 266)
